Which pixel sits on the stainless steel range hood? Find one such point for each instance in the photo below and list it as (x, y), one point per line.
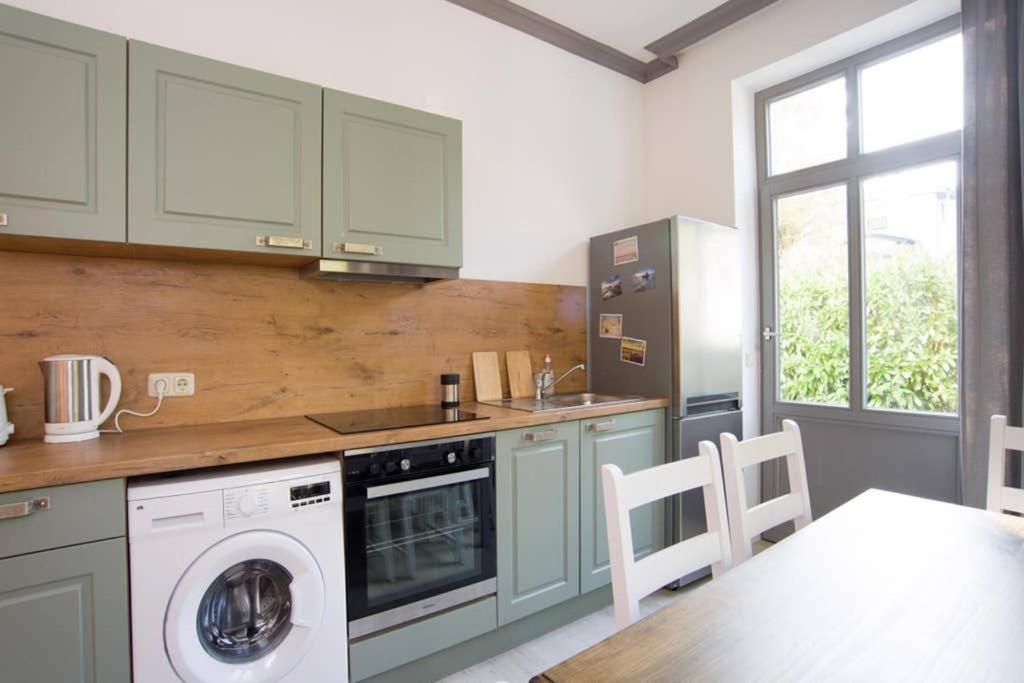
(362, 271)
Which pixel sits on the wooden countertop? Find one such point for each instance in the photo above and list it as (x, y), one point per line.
(32, 464)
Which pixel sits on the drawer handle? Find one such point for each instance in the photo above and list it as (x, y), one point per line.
(283, 242)
(24, 508)
(357, 248)
(546, 435)
(600, 426)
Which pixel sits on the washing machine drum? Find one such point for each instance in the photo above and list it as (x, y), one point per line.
(247, 610)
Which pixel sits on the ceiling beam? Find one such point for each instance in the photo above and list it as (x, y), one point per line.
(542, 28)
(707, 24)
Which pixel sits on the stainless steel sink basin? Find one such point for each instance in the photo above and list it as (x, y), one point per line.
(562, 402)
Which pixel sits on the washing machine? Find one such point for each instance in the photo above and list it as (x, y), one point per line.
(237, 575)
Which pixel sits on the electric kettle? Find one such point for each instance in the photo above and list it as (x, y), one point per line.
(72, 396)
(6, 428)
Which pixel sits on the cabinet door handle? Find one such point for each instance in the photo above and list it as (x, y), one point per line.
(546, 435)
(357, 248)
(24, 508)
(600, 426)
(283, 241)
(3, 219)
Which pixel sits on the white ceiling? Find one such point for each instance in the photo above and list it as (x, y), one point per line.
(626, 25)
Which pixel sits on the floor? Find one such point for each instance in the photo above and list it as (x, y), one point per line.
(529, 659)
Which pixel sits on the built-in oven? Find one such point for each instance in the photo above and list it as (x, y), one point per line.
(419, 530)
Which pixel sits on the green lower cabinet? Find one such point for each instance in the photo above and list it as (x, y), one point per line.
(64, 615)
(538, 518)
(633, 441)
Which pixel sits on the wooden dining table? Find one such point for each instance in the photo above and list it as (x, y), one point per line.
(886, 587)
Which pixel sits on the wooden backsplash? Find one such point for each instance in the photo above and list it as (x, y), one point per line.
(261, 341)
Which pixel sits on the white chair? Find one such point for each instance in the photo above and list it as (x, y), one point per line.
(634, 579)
(1002, 498)
(746, 522)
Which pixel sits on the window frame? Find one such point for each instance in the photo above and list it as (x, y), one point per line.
(851, 171)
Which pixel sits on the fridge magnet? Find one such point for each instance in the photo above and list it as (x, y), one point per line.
(643, 280)
(611, 325)
(611, 287)
(633, 351)
(625, 251)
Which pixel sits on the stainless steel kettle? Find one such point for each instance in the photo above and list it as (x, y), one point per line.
(72, 396)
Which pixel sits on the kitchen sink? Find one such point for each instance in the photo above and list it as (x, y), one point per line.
(562, 402)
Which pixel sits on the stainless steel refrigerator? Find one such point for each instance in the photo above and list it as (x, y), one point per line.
(664, 320)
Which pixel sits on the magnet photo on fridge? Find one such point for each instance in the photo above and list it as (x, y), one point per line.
(633, 351)
(611, 287)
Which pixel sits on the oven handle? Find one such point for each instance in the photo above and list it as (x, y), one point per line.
(427, 483)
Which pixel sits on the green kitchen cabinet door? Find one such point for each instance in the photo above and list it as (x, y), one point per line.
(64, 615)
(220, 156)
(633, 441)
(538, 496)
(392, 183)
(62, 129)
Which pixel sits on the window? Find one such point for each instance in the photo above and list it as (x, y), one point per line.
(859, 177)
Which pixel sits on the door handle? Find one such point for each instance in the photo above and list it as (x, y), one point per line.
(768, 334)
(24, 508)
(600, 426)
(546, 435)
(283, 242)
(356, 248)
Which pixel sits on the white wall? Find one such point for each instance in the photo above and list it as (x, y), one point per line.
(700, 120)
(552, 144)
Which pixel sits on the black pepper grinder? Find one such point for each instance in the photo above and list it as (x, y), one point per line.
(450, 390)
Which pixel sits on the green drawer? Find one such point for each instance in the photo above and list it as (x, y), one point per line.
(77, 513)
(377, 654)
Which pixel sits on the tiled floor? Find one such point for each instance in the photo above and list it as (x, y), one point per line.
(529, 659)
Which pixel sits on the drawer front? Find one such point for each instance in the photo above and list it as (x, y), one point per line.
(381, 653)
(57, 516)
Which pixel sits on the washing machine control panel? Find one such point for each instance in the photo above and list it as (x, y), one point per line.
(310, 494)
(249, 501)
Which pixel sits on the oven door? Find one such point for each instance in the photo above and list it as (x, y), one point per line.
(418, 546)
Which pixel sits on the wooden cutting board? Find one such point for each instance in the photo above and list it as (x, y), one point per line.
(486, 376)
(520, 374)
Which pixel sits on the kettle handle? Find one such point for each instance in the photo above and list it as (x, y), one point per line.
(105, 367)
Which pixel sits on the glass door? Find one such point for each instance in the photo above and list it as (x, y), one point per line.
(859, 182)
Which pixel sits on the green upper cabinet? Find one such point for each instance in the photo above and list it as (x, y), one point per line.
(392, 183)
(220, 156)
(62, 123)
(537, 474)
(633, 441)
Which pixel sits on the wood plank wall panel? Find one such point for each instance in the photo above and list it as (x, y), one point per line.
(263, 342)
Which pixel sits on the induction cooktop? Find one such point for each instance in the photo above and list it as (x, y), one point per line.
(358, 421)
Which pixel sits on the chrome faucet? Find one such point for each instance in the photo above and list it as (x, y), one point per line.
(543, 389)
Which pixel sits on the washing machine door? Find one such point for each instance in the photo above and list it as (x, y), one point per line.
(246, 611)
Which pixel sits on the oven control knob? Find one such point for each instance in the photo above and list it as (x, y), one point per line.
(405, 464)
(451, 458)
(375, 469)
(474, 454)
(390, 467)
(247, 504)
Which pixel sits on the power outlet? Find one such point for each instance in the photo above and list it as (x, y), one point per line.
(179, 384)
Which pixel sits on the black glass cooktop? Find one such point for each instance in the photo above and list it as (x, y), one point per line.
(354, 422)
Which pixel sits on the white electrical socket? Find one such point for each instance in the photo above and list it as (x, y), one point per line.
(179, 384)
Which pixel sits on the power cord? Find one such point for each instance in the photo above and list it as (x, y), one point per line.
(161, 387)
